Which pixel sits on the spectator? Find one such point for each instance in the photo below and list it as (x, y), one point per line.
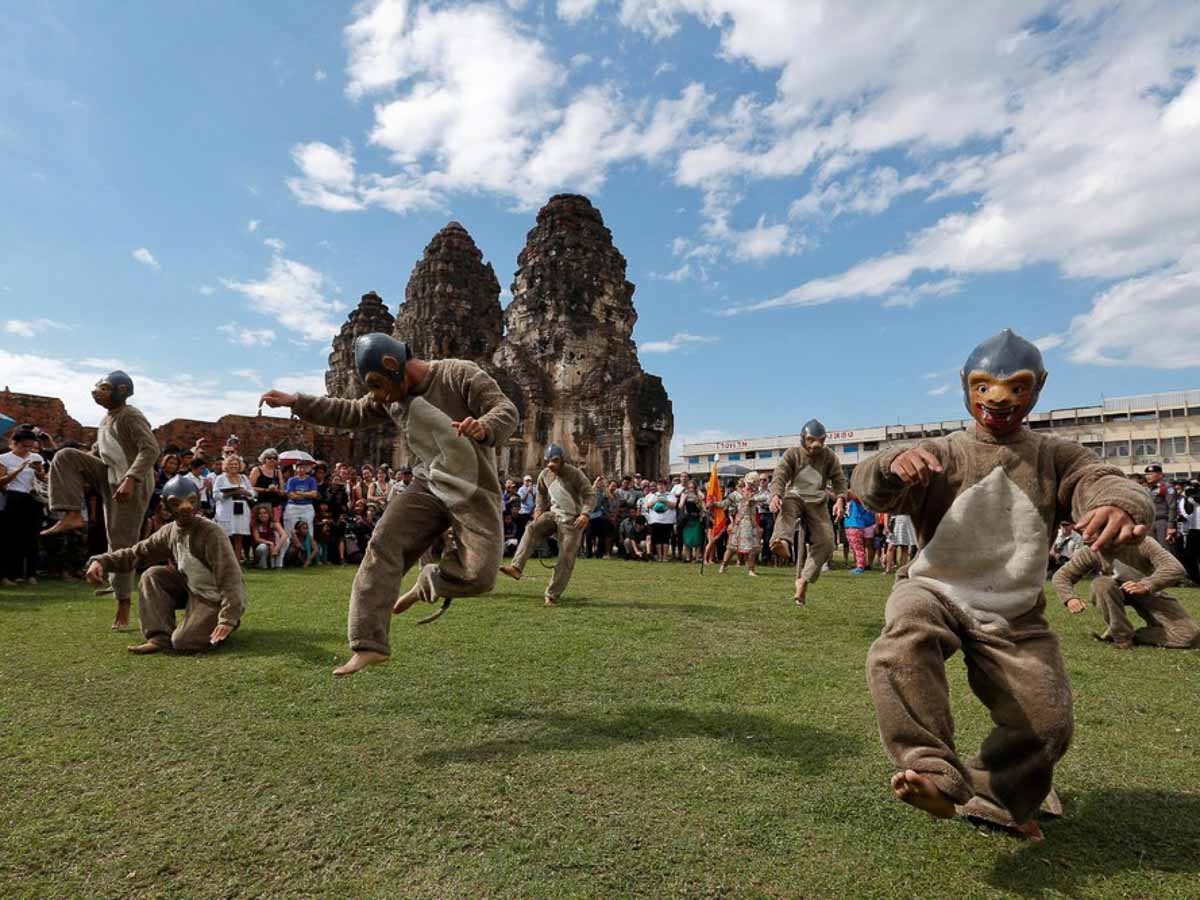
(234, 496)
(691, 518)
(301, 491)
(380, 488)
(527, 495)
(329, 533)
(658, 508)
(902, 539)
(303, 550)
(857, 519)
(598, 538)
(22, 516)
(1066, 542)
(268, 537)
(633, 538)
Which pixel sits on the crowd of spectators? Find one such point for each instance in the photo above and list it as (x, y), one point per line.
(299, 514)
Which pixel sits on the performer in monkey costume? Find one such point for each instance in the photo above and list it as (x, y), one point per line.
(985, 502)
(798, 499)
(452, 415)
(564, 499)
(122, 475)
(205, 580)
(1133, 575)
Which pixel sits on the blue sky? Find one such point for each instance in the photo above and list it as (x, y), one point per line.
(824, 206)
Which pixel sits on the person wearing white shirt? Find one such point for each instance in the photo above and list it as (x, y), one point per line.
(659, 509)
(233, 494)
(22, 515)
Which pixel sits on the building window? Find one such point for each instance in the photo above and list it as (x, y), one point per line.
(1096, 447)
(869, 446)
(1177, 413)
(1143, 416)
(693, 460)
(734, 457)
(1122, 449)
(1111, 450)
(751, 454)
(850, 448)
(1195, 445)
(1145, 447)
(1181, 445)
(764, 454)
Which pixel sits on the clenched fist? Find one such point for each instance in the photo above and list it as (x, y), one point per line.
(915, 466)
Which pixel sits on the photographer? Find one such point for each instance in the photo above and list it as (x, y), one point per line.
(22, 515)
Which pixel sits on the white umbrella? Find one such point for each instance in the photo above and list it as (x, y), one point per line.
(291, 457)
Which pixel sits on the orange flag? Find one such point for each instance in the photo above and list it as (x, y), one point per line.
(714, 494)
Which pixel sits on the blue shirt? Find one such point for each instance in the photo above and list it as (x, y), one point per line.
(528, 495)
(300, 484)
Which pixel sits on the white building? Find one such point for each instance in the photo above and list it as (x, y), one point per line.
(1130, 432)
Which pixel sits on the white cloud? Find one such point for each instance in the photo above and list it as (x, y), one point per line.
(664, 68)
(678, 341)
(275, 244)
(161, 396)
(941, 389)
(252, 225)
(574, 11)
(247, 337)
(1044, 129)
(579, 60)
(28, 328)
(294, 294)
(248, 374)
(1050, 341)
(320, 75)
(206, 290)
(474, 102)
(1151, 321)
(101, 364)
(145, 257)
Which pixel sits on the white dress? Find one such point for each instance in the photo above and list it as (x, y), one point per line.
(232, 522)
(903, 533)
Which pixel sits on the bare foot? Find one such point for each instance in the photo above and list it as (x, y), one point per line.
(407, 599)
(512, 572)
(147, 647)
(801, 592)
(69, 522)
(550, 601)
(121, 622)
(917, 790)
(752, 573)
(781, 549)
(721, 571)
(360, 660)
(1031, 830)
(7, 582)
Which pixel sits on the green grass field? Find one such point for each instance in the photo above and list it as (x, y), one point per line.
(658, 734)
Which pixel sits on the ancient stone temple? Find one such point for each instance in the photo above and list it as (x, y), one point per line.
(341, 379)
(568, 345)
(451, 307)
(563, 350)
(371, 315)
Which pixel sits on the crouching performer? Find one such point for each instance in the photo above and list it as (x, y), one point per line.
(1136, 576)
(798, 500)
(564, 499)
(452, 414)
(122, 475)
(205, 582)
(984, 503)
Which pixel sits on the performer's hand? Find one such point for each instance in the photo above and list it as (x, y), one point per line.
(1076, 606)
(915, 466)
(1135, 588)
(124, 490)
(1171, 534)
(276, 399)
(1107, 526)
(472, 428)
(775, 505)
(581, 521)
(95, 572)
(220, 633)
(839, 507)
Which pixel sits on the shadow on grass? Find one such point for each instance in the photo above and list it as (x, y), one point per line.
(303, 644)
(698, 610)
(813, 748)
(1104, 834)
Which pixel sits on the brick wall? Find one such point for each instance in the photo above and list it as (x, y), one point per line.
(47, 413)
(255, 433)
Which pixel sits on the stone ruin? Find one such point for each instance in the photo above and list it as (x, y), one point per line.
(563, 350)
